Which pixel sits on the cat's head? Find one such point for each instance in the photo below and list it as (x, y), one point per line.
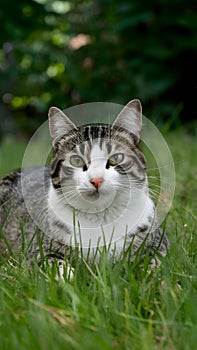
(96, 163)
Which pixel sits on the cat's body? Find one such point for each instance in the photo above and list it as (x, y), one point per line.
(94, 193)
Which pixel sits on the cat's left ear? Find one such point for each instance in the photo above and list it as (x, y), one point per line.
(59, 123)
(130, 118)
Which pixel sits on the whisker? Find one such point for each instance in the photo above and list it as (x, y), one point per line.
(157, 180)
(160, 167)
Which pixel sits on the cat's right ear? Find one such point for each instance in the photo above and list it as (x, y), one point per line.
(59, 123)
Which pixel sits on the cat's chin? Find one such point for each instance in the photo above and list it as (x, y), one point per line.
(90, 196)
(98, 195)
(92, 201)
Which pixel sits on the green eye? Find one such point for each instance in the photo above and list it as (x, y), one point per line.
(77, 161)
(116, 159)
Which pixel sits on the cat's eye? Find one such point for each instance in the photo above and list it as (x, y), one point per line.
(116, 159)
(77, 161)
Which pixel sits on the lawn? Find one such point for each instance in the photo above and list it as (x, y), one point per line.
(110, 306)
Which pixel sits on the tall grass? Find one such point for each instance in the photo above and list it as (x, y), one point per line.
(109, 306)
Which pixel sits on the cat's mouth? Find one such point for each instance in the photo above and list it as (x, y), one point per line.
(90, 200)
(101, 194)
(90, 195)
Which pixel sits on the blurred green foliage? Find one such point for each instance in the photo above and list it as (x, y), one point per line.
(69, 52)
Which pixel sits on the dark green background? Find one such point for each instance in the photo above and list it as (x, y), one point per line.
(144, 49)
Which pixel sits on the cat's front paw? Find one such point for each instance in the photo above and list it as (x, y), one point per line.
(64, 269)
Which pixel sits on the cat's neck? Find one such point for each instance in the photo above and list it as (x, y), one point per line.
(123, 215)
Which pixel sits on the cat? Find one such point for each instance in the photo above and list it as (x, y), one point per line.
(94, 193)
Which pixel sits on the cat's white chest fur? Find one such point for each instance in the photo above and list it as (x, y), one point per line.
(86, 229)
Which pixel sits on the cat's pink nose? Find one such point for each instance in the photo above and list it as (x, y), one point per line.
(96, 181)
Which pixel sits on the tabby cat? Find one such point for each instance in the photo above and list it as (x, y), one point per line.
(94, 193)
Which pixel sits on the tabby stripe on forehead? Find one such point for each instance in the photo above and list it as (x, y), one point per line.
(95, 132)
(109, 147)
(82, 148)
(101, 143)
(87, 133)
(104, 131)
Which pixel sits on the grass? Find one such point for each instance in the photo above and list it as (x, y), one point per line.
(106, 306)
